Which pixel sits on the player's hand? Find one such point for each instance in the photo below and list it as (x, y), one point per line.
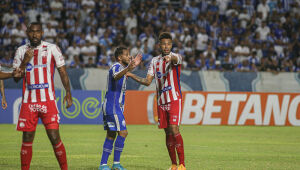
(131, 65)
(168, 58)
(28, 55)
(18, 73)
(138, 59)
(3, 103)
(69, 100)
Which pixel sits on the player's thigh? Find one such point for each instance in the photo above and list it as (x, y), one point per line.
(162, 117)
(174, 114)
(48, 113)
(28, 118)
(115, 122)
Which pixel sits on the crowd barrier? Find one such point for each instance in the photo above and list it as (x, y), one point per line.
(198, 108)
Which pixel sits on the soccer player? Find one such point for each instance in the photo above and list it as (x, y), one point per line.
(165, 68)
(113, 107)
(37, 60)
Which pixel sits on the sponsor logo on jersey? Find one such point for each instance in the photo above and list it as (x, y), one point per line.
(166, 89)
(29, 67)
(158, 74)
(110, 124)
(38, 86)
(37, 108)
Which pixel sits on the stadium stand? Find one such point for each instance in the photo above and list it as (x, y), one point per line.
(225, 35)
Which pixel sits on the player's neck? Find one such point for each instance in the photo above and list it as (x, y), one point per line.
(123, 64)
(35, 45)
(162, 54)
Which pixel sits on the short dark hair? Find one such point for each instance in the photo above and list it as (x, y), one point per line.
(119, 51)
(164, 35)
(35, 23)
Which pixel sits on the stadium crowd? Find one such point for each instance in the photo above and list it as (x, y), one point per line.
(237, 35)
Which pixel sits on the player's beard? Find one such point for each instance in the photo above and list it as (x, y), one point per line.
(164, 52)
(35, 42)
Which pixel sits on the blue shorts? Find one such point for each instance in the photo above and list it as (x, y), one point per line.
(115, 122)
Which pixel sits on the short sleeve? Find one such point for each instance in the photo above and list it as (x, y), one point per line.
(58, 57)
(151, 68)
(115, 69)
(17, 59)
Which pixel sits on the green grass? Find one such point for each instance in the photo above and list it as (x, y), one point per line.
(206, 147)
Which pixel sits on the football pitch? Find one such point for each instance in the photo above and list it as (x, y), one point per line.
(206, 147)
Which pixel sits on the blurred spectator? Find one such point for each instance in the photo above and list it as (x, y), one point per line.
(72, 52)
(137, 48)
(56, 7)
(92, 38)
(263, 31)
(201, 41)
(130, 21)
(241, 50)
(10, 17)
(90, 63)
(263, 7)
(131, 36)
(88, 51)
(49, 33)
(32, 13)
(7, 60)
(18, 33)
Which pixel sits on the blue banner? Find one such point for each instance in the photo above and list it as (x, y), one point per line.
(86, 108)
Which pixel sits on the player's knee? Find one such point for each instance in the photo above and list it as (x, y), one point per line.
(123, 133)
(111, 135)
(174, 130)
(28, 136)
(54, 138)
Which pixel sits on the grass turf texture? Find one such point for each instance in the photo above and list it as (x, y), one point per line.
(206, 147)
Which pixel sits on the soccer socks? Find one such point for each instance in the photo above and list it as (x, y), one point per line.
(26, 155)
(119, 145)
(179, 148)
(170, 142)
(107, 149)
(60, 153)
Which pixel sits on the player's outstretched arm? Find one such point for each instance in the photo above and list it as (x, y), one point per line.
(133, 63)
(5, 75)
(144, 81)
(16, 74)
(66, 83)
(3, 101)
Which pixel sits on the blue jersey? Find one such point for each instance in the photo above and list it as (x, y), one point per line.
(115, 92)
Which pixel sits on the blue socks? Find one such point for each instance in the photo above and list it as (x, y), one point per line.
(119, 145)
(107, 149)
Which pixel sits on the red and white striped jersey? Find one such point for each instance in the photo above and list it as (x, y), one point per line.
(38, 84)
(167, 78)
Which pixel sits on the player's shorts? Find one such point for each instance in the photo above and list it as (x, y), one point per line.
(169, 114)
(114, 122)
(31, 112)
